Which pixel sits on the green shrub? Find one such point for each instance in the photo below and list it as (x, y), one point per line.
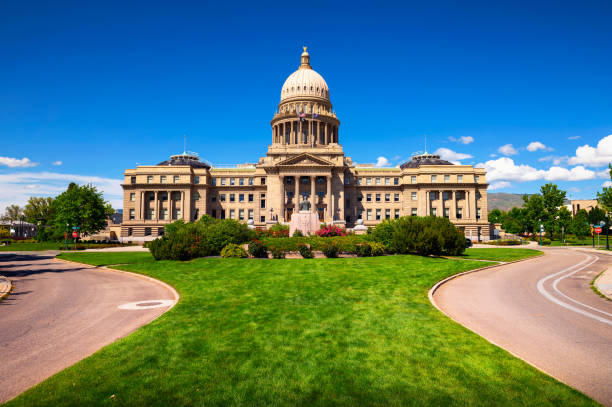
(258, 250)
(510, 242)
(233, 250)
(330, 249)
(305, 251)
(278, 230)
(363, 249)
(383, 233)
(278, 254)
(546, 241)
(378, 249)
(424, 235)
(298, 233)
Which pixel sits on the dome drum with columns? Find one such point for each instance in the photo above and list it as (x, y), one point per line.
(304, 163)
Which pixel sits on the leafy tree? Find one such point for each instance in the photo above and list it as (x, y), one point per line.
(553, 199)
(515, 221)
(12, 213)
(534, 211)
(564, 220)
(605, 197)
(39, 210)
(81, 206)
(496, 216)
(596, 215)
(580, 224)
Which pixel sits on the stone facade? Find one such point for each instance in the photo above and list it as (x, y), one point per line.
(304, 161)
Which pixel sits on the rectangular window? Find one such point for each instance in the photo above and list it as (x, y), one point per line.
(387, 181)
(262, 219)
(377, 181)
(359, 198)
(347, 181)
(223, 182)
(232, 181)
(447, 178)
(232, 213)
(434, 178)
(232, 198)
(250, 214)
(250, 197)
(196, 179)
(132, 214)
(413, 179)
(320, 194)
(222, 197)
(413, 211)
(250, 181)
(222, 213)
(387, 213)
(263, 181)
(369, 214)
(196, 214)
(368, 197)
(241, 214)
(241, 181)
(459, 213)
(213, 198)
(163, 215)
(397, 214)
(149, 179)
(147, 231)
(433, 212)
(368, 181)
(162, 179)
(476, 178)
(446, 195)
(395, 181)
(459, 178)
(132, 196)
(446, 212)
(387, 197)
(214, 213)
(477, 213)
(396, 197)
(196, 196)
(413, 196)
(377, 197)
(378, 214)
(241, 197)
(359, 182)
(150, 213)
(130, 232)
(160, 231)
(176, 179)
(213, 181)
(262, 204)
(133, 180)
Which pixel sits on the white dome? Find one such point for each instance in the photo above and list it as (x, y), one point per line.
(305, 82)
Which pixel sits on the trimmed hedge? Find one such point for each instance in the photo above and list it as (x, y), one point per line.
(290, 244)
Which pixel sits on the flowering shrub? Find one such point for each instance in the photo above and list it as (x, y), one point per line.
(233, 250)
(330, 230)
(258, 249)
(378, 249)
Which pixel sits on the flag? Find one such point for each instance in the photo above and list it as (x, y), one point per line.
(301, 115)
(315, 115)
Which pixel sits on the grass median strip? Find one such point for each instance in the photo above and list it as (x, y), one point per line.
(499, 254)
(357, 331)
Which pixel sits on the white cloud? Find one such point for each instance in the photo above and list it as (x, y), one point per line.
(381, 162)
(450, 155)
(607, 184)
(505, 169)
(16, 162)
(16, 188)
(535, 146)
(57, 163)
(499, 185)
(507, 149)
(573, 137)
(594, 156)
(556, 160)
(462, 139)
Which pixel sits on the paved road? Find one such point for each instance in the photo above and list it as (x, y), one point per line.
(543, 311)
(60, 313)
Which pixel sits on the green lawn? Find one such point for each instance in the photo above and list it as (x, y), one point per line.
(499, 254)
(319, 332)
(18, 247)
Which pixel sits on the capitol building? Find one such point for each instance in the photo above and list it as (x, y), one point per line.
(305, 161)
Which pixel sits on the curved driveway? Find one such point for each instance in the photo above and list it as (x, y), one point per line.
(60, 313)
(543, 311)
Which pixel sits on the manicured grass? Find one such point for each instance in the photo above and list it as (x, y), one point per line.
(499, 254)
(108, 258)
(320, 332)
(18, 247)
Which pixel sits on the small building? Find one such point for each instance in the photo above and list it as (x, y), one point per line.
(586, 204)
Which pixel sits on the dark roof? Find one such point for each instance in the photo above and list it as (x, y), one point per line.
(424, 159)
(185, 159)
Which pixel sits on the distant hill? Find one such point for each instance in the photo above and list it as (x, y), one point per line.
(503, 201)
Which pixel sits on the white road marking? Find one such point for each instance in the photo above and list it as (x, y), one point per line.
(146, 304)
(551, 298)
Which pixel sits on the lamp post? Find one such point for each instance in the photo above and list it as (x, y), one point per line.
(66, 235)
(607, 231)
(541, 230)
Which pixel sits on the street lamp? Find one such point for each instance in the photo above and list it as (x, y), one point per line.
(607, 231)
(541, 230)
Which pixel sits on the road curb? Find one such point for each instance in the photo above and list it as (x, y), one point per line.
(175, 293)
(5, 287)
(604, 292)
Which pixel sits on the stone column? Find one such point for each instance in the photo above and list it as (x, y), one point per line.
(466, 203)
(282, 127)
(143, 197)
(281, 215)
(330, 209)
(313, 199)
(183, 206)
(473, 204)
(156, 195)
(453, 208)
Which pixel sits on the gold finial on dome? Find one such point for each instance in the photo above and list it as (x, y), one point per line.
(305, 60)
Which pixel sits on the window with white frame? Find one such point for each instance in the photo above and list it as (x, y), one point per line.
(396, 197)
(447, 178)
(369, 214)
(413, 211)
(240, 181)
(132, 196)
(132, 214)
(387, 213)
(377, 181)
(250, 214)
(196, 196)
(387, 197)
(232, 214)
(241, 214)
(387, 181)
(378, 214)
(476, 178)
(413, 196)
(176, 179)
(162, 179)
(434, 178)
(397, 213)
(196, 179)
(459, 178)
(413, 179)
(223, 181)
(232, 181)
(368, 181)
(149, 179)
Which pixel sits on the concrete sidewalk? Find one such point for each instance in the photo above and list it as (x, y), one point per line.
(5, 287)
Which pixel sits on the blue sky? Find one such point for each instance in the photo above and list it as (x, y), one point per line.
(88, 91)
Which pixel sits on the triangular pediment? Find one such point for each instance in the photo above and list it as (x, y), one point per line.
(305, 160)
